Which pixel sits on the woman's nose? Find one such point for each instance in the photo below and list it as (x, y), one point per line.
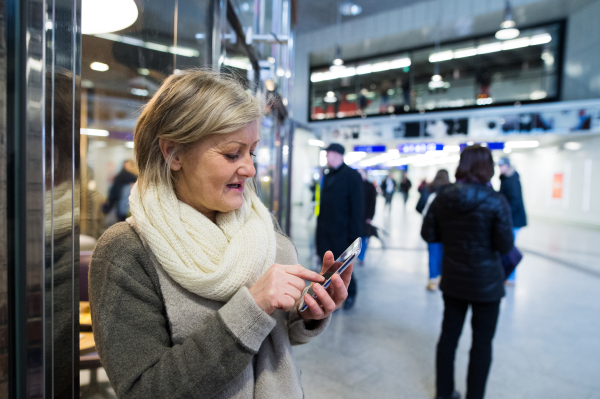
(247, 169)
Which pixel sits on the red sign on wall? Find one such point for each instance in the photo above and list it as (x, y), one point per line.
(557, 186)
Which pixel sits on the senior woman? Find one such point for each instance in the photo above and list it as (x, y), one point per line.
(195, 295)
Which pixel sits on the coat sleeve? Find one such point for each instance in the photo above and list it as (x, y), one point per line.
(430, 231)
(502, 235)
(300, 332)
(356, 201)
(132, 335)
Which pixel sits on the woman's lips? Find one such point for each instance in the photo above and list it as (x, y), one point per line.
(236, 187)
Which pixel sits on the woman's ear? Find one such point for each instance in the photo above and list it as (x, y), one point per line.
(167, 147)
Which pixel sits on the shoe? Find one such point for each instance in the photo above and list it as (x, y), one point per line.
(455, 395)
(349, 303)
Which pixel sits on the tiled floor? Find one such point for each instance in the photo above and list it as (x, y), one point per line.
(547, 343)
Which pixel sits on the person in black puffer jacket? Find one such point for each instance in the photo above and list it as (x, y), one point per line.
(474, 224)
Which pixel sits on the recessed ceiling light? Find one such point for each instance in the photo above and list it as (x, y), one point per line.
(573, 146)
(99, 66)
(99, 16)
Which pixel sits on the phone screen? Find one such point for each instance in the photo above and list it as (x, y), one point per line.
(338, 267)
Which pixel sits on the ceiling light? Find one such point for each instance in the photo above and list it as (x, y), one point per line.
(330, 97)
(316, 143)
(288, 74)
(489, 48)
(99, 66)
(350, 9)
(270, 85)
(139, 92)
(441, 56)
(507, 28)
(436, 78)
(573, 146)
(94, 132)
(522, 144)
(143, 71)
(465, 52)
(516, 43)
(338, 57)
(280, 72)
(541, 39)
(271, 60)
(538, 95)
(184, 51)
(99, 16)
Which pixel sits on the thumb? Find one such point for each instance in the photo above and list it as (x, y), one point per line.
(328, 260)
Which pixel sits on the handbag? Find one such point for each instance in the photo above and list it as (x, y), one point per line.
(510, 260)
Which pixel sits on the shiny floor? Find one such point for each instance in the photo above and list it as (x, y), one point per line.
(547, 343)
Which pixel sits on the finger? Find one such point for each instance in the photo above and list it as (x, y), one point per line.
(286, 302)
(341, 292)
(347, 274)
(326, 301)
(292, 291)
(314, 307)
(296, 282)
(328, 260)
(303, 273)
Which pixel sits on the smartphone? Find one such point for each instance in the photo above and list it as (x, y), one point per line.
(338, 267)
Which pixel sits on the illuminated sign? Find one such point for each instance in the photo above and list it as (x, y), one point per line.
(419, 148)
(369, 148)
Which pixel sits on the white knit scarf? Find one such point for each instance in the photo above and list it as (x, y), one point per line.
(211, 260)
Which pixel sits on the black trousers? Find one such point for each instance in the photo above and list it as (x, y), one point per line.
(483, 323)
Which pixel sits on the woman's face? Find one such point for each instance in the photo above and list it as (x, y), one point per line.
(212, 175)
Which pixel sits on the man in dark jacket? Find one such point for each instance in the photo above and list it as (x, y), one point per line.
(510, 186)
(341, 210)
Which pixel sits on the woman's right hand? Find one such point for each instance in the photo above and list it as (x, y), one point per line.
(281, 286)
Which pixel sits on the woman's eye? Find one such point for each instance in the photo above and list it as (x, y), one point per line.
(232, 157)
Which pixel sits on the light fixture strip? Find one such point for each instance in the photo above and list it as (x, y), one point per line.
(132, 41)
(491, 48)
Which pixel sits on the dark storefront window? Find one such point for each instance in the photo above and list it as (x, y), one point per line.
(472, 73)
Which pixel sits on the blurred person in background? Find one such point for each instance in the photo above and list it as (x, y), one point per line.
(118, 196)
(510, 187)
(370, 200)
(341, 210)
(195, 295)
(435, 249)
(405, 186)
(474, 224)
(388, 186)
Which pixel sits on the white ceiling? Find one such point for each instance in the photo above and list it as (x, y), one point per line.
(315, 14)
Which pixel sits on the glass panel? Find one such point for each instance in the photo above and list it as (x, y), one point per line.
(4, 343)
(470, 73)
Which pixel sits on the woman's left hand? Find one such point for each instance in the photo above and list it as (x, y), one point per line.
(330, 299)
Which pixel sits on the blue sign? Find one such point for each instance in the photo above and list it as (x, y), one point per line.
(419, 148)
(369, 148)
(491, 146)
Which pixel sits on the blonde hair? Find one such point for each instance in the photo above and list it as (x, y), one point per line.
(187, 108)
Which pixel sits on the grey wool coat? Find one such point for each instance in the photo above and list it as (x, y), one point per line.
(157, 340)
